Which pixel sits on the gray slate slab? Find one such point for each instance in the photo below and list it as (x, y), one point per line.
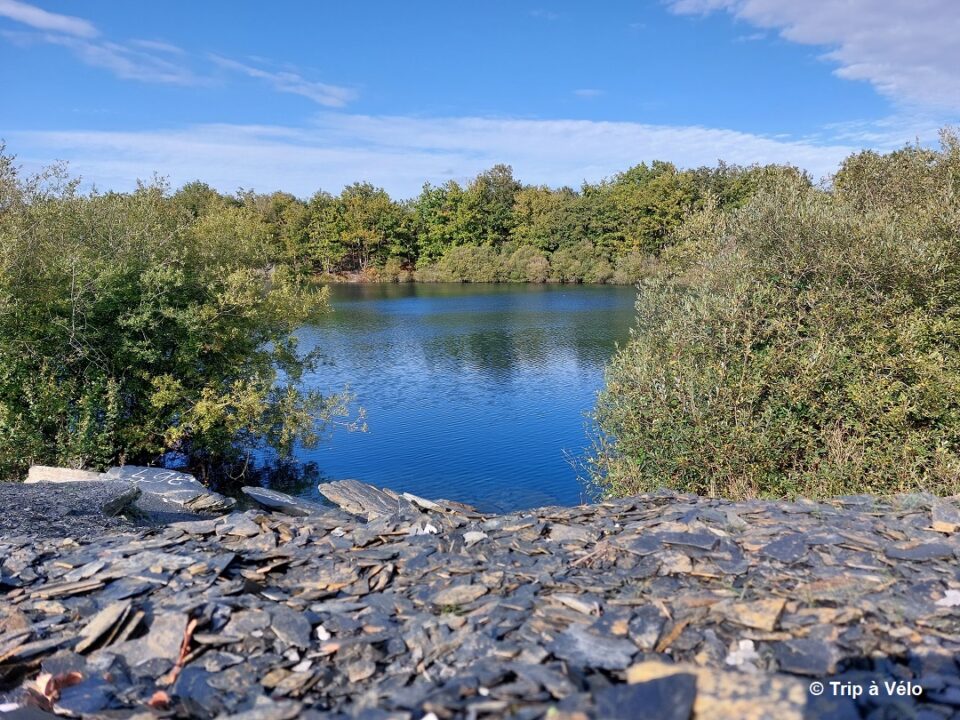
(281, 502)
(176, 488)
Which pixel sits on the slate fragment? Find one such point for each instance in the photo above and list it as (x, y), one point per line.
(551, 612)
(169, 486)
(582, 648)
(459, 594)
(360, 499)
(88, 697)
(102, 623)
(290, 626)
(805, 656)
(667, 698)
(759, 614)
(787, 549)
(281, 502)
(944, 516)
(921, 551)
(162, 641)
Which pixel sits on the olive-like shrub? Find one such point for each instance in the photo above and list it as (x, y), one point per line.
(807, 343)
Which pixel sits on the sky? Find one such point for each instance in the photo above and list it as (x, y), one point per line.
(304, 96)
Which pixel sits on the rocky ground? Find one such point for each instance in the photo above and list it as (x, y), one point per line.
(662, 606)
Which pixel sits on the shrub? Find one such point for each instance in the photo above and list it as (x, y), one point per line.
(468, 263)
(808, 344)
(631, 267)
(525, 264)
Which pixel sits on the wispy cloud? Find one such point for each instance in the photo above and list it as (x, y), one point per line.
(125, 61)
(290, 82)
(544, 14)
(144, 60)
(588, 93)
(400, 153)
(158, 46)
(40, 19)
(907, 49)
(153, 61)
(888, 133)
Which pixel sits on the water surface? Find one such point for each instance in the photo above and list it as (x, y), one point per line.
(476, 393)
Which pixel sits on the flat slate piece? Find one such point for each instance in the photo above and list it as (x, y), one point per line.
(662, 605)
(281, 502)
(176, 488)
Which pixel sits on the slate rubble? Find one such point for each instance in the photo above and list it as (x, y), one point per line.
(398, 607)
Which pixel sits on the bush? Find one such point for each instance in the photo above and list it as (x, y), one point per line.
(131, 327)
(630, 268)
(525, 264)
(465, 263)
(808, 344)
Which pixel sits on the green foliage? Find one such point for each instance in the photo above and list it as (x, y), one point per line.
(605, 232)
(807, 343)
(364, 227)
(133, 325)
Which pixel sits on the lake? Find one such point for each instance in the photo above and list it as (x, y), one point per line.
(476, 393)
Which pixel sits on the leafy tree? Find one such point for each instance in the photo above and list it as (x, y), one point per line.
(545, 218)
(489, 200)
(435, 212)
(129, 331)
(197, 198)
(361, 228)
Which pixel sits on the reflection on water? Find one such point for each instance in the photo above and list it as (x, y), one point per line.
(474, 393)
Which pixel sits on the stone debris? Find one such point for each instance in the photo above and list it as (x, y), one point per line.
(75, 509)
(662, 606)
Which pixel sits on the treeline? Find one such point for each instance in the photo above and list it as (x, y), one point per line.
(493, 229)
(806, 343)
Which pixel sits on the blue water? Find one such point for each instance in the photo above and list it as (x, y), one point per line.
(476, 393)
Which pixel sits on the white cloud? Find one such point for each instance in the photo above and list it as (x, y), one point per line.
(907, 49)
(148, 60)
(158, 46)
(400, 153)
(136, 60)
(544, 14)
(291, 82)
(126, 62)
(588, 93)
(40, 19)
(888, 133)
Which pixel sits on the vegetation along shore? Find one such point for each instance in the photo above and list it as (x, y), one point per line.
(791, 338)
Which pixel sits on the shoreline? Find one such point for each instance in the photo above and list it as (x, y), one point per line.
(357, 278)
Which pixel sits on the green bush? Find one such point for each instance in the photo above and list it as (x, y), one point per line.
(525, 264)
(807, 344)
(132, 326)
(464, 263)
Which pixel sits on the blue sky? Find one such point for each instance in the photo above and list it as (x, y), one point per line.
(308, 95)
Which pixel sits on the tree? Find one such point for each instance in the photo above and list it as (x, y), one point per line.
(360, 229)
(489, 199)
(128, 333)
(545, 218)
